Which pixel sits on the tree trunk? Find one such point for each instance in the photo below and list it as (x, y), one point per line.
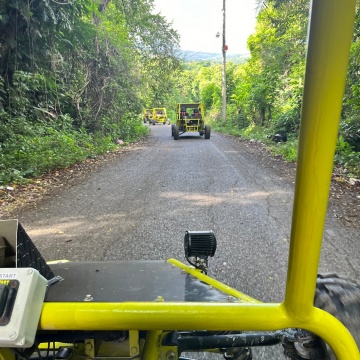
(262, 116)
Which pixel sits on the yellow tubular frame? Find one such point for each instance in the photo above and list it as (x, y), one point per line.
(331, 29)
(328, 49)
(159, 118)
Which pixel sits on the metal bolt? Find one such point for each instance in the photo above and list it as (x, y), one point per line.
(134, 350)
(13, 335)
(170, 355)
(29, 271)
(88, 346)
(88, 298)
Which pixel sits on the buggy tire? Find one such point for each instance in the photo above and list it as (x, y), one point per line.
(339, 296)
(176, 132)
(172, 130)
(207, 132)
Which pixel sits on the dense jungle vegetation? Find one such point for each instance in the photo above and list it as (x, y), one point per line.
(75, 76)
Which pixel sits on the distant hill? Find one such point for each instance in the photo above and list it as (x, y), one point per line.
(188, 56)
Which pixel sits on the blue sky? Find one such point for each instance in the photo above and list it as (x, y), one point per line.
(198, 21)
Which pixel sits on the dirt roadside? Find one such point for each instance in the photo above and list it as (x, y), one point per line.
(15, 199)
(344, 199)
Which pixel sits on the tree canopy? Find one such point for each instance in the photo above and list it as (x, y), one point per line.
(79, 72)
(264, 93)
(76, 74)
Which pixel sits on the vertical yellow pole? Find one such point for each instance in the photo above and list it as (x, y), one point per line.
(151, 349)
(5, 354)
(330, 33)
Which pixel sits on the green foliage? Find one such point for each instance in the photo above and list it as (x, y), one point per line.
(236, 117)
(288, 150)
(74, 76)
(287, 122)
(211, 96)
(56, 147)
(254, 132)
(29, 156)
(350, 131)
(346, 157)
(264, 94)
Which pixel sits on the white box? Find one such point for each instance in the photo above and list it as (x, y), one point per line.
(24, 320)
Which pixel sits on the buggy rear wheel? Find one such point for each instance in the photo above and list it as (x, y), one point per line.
(176, 132)
(172, 129)
(207, 132)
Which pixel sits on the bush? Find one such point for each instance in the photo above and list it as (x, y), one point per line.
(288, 122)
(350, 131)
(59, 146)
(288, 150)
(235, 118)
(346, 157)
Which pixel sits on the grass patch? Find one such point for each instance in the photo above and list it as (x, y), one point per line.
(288, 150)
(27, 156)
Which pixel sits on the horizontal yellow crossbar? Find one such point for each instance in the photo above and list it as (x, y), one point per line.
(193, 316)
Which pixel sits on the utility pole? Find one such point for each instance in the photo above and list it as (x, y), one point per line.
(224, 48)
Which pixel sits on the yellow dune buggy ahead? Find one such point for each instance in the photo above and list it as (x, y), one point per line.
(147, 116)
(159, 116)
(190, 118)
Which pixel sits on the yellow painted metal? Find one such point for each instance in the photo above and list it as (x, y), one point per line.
(147, 112)
(151, 350)
(5, 354)
(52, 262)
(333, 332)
(134, 346)
(331, 29)
(163, 315)
(155, 316)
(214, 283)
(54, 345)
(89, 349)
(329, 43)
(190, 123)
(159, 115)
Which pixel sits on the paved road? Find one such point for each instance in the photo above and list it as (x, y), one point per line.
(139, 206)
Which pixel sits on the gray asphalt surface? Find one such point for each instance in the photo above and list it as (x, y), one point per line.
(139, 207)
